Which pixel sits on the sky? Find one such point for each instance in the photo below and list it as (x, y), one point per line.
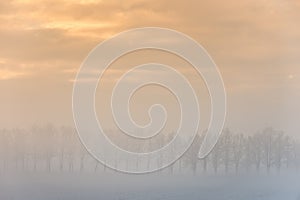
(255, 43)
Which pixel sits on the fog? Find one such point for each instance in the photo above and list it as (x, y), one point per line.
(49, 163)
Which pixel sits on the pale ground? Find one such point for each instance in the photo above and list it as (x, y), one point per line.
(144, 187)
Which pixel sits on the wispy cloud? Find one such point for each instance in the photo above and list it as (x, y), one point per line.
(255, 43)
(6, 74)
(239, 34)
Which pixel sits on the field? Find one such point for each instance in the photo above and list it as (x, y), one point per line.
(117, 186)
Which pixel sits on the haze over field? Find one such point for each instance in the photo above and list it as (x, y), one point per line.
(255, 44)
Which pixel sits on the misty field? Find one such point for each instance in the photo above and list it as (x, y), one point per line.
(49, 163)
(117, 186)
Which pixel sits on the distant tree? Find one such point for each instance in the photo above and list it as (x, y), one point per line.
(46, 147)
(204, 161)
(256, 150)
(267, 139)
(5, 147)
(247, 154)
(48, 138)
(239, 145)
(280, 146)
(70, 143)
(216, 156)
(226, 148)
(191, 156)
(288, 151)
(296, 154)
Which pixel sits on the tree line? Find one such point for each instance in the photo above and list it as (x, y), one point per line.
(58, 149)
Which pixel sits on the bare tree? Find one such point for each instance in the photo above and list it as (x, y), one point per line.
(226, 145)
(256, 150)
(43, 148)
(239, 142)
(216, 156)
(296, 154)
(192, 154)
(280, 145)
(5, 147)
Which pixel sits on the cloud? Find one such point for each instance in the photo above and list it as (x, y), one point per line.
(9, 71)
(255, 44)
(251, 35)
(6, 74)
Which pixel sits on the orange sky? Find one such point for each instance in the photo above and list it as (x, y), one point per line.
(255, 43)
